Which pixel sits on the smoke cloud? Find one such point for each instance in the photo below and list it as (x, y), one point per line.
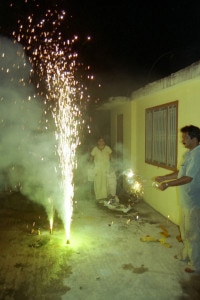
(28, 157)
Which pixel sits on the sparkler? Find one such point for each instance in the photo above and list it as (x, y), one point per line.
(55, 65)
(155, 185)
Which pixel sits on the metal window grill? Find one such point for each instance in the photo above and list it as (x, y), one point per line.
(161, 135)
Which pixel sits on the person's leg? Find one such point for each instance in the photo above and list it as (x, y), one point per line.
(183, 230)
(193, 238)
(112, 183)
(100, 185)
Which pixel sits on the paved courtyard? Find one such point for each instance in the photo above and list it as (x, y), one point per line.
(111, 255)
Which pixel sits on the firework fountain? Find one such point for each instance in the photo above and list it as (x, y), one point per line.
(134, 184)
(54, 71)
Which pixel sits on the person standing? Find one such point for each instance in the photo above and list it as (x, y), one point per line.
(188, 181)
(104, 177)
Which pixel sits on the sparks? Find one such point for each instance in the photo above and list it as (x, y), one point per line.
(55, 67)
(133, 184)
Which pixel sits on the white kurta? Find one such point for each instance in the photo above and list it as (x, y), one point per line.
(101, 171)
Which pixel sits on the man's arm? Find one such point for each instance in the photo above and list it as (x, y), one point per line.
(170, 176)
(180, 181)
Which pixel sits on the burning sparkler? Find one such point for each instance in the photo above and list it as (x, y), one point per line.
(155, 185)
(55, 66)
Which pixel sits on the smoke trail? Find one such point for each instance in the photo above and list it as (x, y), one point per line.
(28, 159)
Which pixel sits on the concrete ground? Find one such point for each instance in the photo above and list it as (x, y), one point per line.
(111, 255)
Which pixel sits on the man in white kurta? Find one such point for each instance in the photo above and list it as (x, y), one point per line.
(101, 155)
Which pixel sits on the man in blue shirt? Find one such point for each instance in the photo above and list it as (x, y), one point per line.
(188, 181)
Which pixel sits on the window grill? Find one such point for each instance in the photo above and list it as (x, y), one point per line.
(161, 135)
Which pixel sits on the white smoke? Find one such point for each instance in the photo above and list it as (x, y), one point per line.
(28, 158)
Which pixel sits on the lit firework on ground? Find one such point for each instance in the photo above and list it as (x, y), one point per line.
(133, 184)
(55, 66)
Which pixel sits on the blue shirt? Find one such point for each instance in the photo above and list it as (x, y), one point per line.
(190, 192)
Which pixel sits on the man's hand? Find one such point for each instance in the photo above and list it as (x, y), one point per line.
(163, 186)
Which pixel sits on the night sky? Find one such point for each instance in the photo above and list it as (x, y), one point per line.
(133, 42)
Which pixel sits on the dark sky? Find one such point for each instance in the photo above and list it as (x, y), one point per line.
(133, 42)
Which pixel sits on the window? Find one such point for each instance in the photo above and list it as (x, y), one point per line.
(161, 135)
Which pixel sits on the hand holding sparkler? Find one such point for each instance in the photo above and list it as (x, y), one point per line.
(163, 185)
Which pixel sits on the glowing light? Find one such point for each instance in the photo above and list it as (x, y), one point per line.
(155, 185)
(129, 173)
(133, 184)
(51, 225)
(137, 187)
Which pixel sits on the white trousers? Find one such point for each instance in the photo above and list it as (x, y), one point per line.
(190, 234)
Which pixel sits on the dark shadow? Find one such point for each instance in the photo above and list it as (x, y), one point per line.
(191, 288)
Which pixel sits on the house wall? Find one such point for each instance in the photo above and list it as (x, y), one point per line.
(188, 95)
(187, 92)
(128, 131)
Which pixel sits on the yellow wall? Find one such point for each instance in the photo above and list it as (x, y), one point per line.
(187, 93)
(164, 202)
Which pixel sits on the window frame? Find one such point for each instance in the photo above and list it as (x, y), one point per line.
(161, 135)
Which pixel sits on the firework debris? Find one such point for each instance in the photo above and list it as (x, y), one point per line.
(138, 270)
(164, 233)
(118, 206)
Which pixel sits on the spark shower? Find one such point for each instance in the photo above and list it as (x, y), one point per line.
(53, 73)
